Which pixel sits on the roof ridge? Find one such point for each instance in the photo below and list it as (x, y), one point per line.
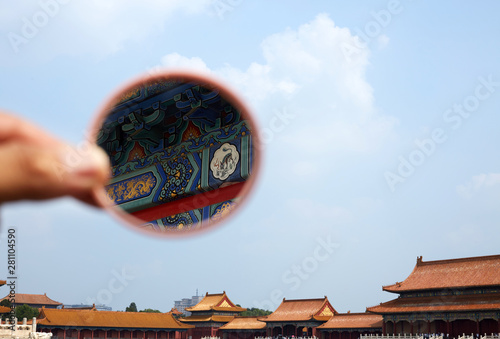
(310, 299)
(89, 310)
(465, 259)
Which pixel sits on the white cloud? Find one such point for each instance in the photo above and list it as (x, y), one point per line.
(316, 107)
(177, 61)
(307, 72)
(477, 184)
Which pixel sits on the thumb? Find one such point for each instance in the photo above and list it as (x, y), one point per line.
(42, 172)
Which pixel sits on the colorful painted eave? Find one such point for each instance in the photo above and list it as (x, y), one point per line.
(472, 272)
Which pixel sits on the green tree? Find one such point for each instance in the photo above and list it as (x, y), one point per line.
(150, 310)
(26, 311)
(255, 312)
(131, 308)
(6, 303)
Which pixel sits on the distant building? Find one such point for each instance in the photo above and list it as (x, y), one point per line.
(181, 305)
(34, 300)
(99, 307)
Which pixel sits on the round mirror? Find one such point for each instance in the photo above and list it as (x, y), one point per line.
(183, 152)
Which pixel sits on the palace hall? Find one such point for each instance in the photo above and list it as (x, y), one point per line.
(443, 297)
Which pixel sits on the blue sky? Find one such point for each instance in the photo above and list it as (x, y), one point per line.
(386, 147)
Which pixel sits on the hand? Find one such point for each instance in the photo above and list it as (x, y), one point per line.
(36, 165)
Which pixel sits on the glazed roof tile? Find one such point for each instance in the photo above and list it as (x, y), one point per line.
(353, 320)
(208, 318)
(454, 273)
(108, 319)
(33, 299)
(4, 309)
(216, 302)
(244, 323)
(471, 302)
(302, 310)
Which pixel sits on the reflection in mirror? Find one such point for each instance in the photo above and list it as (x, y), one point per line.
(182, 151)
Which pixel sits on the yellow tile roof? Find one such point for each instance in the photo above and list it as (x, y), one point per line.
(4, 309)
(302, 310)
(207, 318)
(33, 299)
(216, 302)
(353, 320)
(109, 319)
(244, 323)
(454, 273)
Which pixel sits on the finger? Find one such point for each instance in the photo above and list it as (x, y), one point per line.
(34, 172)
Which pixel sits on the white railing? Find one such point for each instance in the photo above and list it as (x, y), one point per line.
(286, 337)
(210, 337)
(485, 336)
(428, 336)
(15, 330)
(401, 336)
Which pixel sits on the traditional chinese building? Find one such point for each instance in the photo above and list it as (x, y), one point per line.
(298, 317)
(243, 328)
(351, 326)
(34, 300)
(445, 296)
(80, 324)
(211, 313)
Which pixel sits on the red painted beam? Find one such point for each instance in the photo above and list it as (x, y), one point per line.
(190, 203)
